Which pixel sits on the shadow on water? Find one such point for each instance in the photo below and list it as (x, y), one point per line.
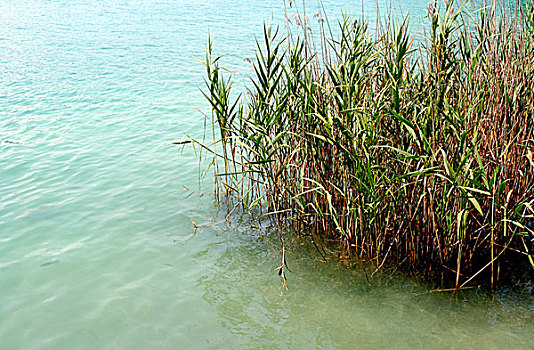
(331, 305)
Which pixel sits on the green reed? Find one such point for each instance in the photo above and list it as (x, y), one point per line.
(415, 153)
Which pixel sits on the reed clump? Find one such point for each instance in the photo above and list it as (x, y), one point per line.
(411, 152)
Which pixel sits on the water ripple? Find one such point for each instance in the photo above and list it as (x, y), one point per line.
(96, 241)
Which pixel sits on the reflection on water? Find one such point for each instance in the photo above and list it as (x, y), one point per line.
(333, 306)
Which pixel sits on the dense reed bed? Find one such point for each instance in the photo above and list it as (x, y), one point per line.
(410, 151)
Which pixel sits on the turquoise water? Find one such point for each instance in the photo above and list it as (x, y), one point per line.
(97, 249)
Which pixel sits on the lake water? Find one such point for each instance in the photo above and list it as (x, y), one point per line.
(97, 249)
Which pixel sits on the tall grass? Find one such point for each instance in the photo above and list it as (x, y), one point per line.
(409, 152)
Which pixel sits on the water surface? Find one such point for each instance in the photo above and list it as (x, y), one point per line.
(97, 249)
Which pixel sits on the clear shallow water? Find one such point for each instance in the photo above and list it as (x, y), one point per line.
(96, 244)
